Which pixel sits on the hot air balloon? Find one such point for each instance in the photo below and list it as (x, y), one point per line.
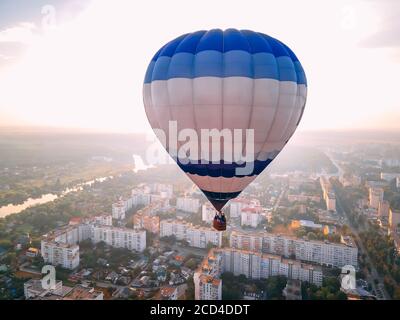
(232, 79)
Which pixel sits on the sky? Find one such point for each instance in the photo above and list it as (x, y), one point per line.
(81, 64)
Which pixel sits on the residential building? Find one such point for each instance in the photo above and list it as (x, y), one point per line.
(119, 210)
(150, 223)
(254, 265)
(394, 222)
(295, 224)
(328, 193)
(389, 176)
(132, 239)
(236, 206)
(207, 213)
(321, 252)
(34, 288)
(80, 292)
(199, 237)
(375, 197)
(251, 216)
(186, 204)
(303, 198)
(383, 209)
(60, 254)
(169, 293)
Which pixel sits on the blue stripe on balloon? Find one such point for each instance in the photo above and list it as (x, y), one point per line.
(265, 66)
(231, 64)
(221, 169)
(149, 72)
(238, 63)
(225, 54)
(220, 195)
(208, 64)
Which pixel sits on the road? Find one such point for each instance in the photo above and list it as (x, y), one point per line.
(373, 276)
(278, 201)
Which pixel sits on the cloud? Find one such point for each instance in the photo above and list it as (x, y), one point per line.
(24, 32)
(387, 36)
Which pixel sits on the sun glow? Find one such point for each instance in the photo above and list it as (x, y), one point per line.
(88, 72)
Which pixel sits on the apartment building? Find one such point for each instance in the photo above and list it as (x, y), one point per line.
(196, 236)
(132, 239)
(207, 213)
(328, 194)
(375, 197)
(60, 254)
(254, 265)
(321, 252)
(148, 222)
(186, 204)
(251, 216)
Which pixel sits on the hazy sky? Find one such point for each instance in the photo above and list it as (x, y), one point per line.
(81, 64)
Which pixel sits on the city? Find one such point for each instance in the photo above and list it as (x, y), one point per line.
(289, 235)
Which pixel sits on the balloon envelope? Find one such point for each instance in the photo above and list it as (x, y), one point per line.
(226, 80)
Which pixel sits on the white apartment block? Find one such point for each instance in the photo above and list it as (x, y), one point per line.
(119, 210)
(33, 288)
(328, 193)
(196, 236)
(163, 189)
(330, 201)
(389, 176)
(140, 198)
(394, 222)
(187, 204)
(251, 217)
(132, 239)
(383, 209)
(207, 213)
(104, 220)
(375, 197)
(236, 206)
(60, 254)
(323, 253)
(254, 265)
(207, 285)
(61, 246)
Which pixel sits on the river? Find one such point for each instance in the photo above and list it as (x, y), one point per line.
(139, 165)
(30, 202)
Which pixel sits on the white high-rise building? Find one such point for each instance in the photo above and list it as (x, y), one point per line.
(394, 222)
(251, 216)
(389, 176)
(236, 206)
(207, 285)
(119, 210)
(196, 236)
(383, 209)
(254, 265)
(187, 204)
(132, 239)
(33, 288)
(60, 254)
(375, 197)
(328, 193)
(104, 220)
(323, 253)
(140, 199)
(208, 213)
